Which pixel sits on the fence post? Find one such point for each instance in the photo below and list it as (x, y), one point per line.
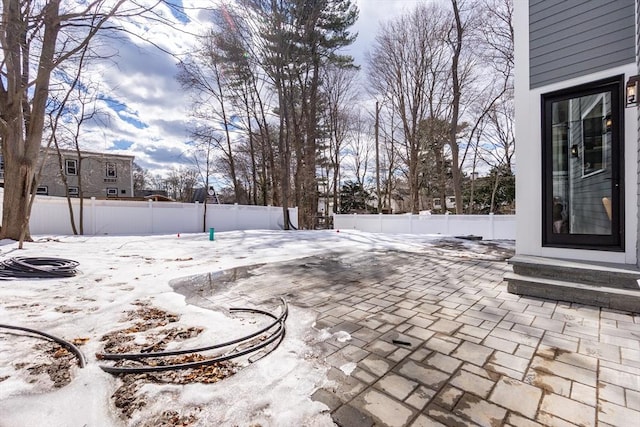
(235, 210)
(197, 220)
(93, 216)
(491, 226)
(150, 204)
(446, 223)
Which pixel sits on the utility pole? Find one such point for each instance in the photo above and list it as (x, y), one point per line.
(378, 158)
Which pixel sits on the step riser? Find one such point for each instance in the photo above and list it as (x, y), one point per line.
(597, 296)
(588, 277)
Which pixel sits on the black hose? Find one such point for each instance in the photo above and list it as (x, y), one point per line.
(75, 350)
(132, 356)
(139, 370)
(37, 268)
(291, 224)
(278, 335)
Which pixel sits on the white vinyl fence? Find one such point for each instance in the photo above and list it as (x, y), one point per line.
(490, 227)
(50, 215)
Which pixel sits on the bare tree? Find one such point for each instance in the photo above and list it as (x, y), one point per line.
(142, 178)
(359, 147)
(204, 78)
(407, 66)
(296, 41)
(340, 93)
(180, 183)
(203, 156)
(36, 38)
(439, 64)
(494, 108)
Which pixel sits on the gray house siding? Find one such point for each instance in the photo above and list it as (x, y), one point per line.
(588, 214)
(572, 38)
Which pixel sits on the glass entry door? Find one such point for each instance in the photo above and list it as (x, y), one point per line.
(582, 167)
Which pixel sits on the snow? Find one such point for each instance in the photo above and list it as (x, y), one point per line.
(117, 271)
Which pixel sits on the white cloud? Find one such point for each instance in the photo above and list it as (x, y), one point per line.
(153, 112)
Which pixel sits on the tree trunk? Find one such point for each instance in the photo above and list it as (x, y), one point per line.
(21, 145)
(63, 176)
(493, 193)
(252, 152)
(15, 214)
(311, 193)
(453, 143)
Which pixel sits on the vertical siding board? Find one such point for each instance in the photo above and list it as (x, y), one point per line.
(571, 38)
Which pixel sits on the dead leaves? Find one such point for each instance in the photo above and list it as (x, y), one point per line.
(79, 341)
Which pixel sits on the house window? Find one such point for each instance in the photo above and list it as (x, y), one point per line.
(582, 166)
(111, 192)
(111, 170)
(42, 190)
(73, 192)
(71, 167)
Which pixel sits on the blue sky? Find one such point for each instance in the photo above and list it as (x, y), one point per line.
(147, 108)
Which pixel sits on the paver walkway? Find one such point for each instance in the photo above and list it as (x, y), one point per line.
(434, 339)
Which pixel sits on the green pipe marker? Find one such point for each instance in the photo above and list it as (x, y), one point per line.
(211, 231)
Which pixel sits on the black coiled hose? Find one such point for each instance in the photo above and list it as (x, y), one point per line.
(37, 268)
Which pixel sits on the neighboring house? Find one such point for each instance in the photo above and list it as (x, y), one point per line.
(103, 175)
(577, 145)
(450, 202)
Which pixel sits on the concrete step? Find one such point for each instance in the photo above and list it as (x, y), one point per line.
(588, 273)
(602, 296)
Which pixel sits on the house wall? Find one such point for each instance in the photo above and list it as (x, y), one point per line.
(572, 38)
(528, 122)
(92, 168)
(638, 129)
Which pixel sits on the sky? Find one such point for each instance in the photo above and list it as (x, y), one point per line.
(147, 108)
(119, 274)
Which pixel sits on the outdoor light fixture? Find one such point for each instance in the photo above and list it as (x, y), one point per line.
(632, 91)
(607, 123)
(574, 150)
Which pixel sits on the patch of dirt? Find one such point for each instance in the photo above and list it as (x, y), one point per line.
(35, 304)
(58, 367)
(128, 399)
(170, 419)
(148, 334)
(147, 318)
(66, 309)
(152, 316)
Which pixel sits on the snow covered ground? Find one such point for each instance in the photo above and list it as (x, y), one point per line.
(120, 276)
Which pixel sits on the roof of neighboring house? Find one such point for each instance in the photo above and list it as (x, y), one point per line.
(87, 153)
(158, 198)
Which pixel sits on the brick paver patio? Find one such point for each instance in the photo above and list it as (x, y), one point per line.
(434, 339)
